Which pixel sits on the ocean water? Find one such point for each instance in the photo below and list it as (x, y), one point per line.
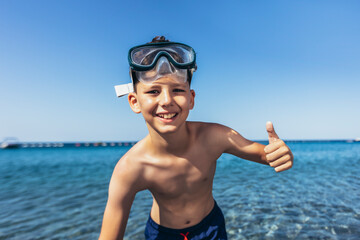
(60, 193)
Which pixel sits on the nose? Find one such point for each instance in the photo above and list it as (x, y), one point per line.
(166, 98)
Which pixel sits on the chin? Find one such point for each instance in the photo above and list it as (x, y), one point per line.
(168, 129)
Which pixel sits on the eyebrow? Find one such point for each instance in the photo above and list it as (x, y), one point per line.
(178, 85)
(171, 84)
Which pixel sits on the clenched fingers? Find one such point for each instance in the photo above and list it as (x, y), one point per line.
(280, 161)
(279, 156)
(278, 153)
(284, 166)
(273, 146)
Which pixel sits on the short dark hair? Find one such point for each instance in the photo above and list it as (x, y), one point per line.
(156, 40)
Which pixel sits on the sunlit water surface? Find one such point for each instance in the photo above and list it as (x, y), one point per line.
(61, 194)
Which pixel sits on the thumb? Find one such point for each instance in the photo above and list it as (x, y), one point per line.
(271, 131)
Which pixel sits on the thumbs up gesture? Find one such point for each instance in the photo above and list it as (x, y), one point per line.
(278, 154)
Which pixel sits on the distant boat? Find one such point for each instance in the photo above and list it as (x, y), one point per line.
(10, 142)
(357, 139)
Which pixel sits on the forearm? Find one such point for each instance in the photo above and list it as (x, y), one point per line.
(255, 153)
(114, 225)
(260, 155)
(276, 154)
(251, 151)
(115, 219)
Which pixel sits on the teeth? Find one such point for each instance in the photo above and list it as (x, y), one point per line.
(167, 115)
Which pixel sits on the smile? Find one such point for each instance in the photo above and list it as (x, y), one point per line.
(166, 115)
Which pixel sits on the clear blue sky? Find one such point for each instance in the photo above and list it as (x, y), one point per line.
(296, 63)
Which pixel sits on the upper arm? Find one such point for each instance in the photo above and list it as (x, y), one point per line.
(124, 184)
(232, 142)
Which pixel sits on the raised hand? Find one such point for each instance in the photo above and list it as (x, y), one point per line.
(278, 154)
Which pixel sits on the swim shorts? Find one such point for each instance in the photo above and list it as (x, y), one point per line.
(211, 227)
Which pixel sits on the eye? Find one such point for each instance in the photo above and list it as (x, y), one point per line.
(178, 90)
(152, 92)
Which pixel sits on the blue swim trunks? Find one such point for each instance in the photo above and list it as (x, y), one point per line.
(211, 227)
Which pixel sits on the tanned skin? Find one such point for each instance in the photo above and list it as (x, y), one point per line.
(176, 161)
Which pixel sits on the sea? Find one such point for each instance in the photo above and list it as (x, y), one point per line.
(61, 193)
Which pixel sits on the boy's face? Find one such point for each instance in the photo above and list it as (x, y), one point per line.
(164, 103)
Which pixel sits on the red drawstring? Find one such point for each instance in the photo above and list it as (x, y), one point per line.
(185, 235)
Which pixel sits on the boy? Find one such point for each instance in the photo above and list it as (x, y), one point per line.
(176, 161)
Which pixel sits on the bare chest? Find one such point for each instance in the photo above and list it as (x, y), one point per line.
(176, 177)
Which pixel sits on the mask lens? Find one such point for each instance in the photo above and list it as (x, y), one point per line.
(163, 68)
(147, 55)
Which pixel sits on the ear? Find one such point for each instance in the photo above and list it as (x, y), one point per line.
(192, 100)
(133, 102)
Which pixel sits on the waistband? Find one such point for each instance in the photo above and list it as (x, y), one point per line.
(213, 214)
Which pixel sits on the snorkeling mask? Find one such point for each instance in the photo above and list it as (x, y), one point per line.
(155, 60)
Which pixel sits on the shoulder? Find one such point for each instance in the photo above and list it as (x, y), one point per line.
(211, 133)
(129, 170)
(207, 128)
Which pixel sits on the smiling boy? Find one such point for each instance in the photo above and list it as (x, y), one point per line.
(176, 161)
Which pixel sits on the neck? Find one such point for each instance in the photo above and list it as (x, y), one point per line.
(174, 143)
